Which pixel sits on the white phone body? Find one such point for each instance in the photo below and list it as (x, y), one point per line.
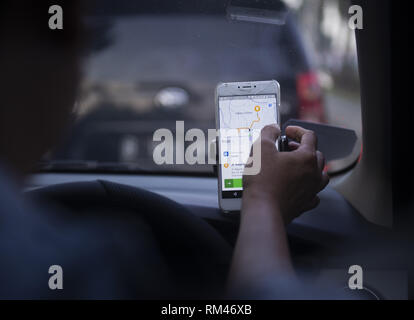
(241, 105)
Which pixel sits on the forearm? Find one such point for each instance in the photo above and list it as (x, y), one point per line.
(261, 249)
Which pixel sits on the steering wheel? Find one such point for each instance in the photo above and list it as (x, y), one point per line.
(195, 252)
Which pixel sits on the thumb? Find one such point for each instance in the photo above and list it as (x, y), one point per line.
(270, 132)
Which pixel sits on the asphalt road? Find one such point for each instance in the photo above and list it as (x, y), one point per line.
(344, 110)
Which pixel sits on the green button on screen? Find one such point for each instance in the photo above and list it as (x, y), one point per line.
(237, 183)
(228, 183)
(233, 183)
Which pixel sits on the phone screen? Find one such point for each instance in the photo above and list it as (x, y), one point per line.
(241, 119)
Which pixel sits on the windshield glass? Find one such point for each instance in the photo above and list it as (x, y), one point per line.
(150, 64)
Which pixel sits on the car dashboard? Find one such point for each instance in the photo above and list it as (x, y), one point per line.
(322, 241)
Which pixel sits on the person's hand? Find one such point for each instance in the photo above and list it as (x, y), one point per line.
(290, 180)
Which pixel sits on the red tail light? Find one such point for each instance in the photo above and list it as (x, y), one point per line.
(310, 98)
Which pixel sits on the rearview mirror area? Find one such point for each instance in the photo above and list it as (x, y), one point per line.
(258, 11)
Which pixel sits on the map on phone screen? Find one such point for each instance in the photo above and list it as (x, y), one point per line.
(241, 119)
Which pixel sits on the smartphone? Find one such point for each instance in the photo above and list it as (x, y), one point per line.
(242, 110)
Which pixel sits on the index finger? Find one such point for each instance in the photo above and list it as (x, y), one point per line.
(306, 138)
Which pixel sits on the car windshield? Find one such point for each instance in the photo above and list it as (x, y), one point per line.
(150, 64)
